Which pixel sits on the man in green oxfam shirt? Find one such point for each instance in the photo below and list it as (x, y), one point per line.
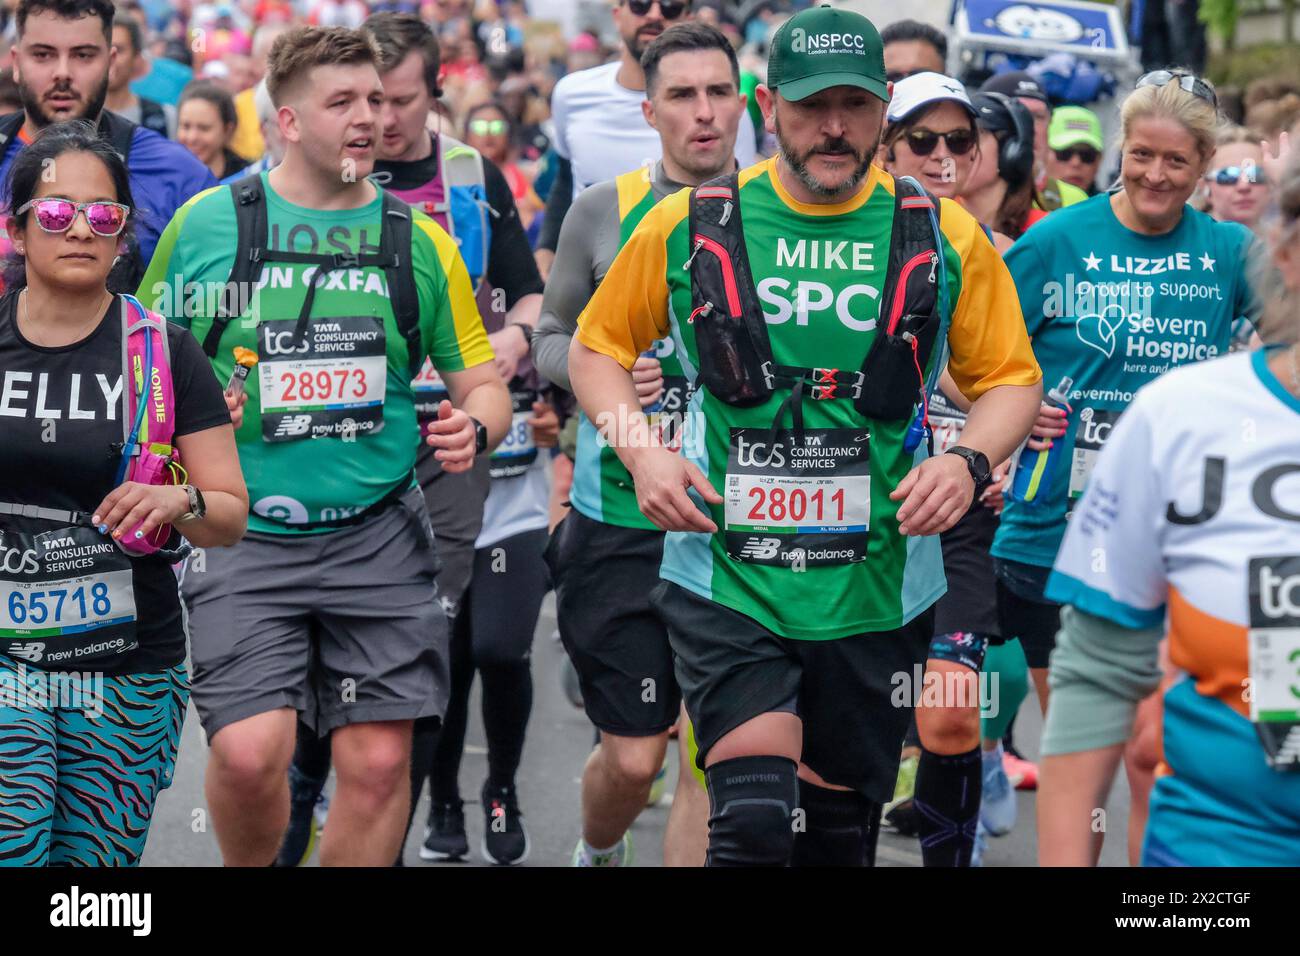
(793, 602)
(328, 607)
(605, 555)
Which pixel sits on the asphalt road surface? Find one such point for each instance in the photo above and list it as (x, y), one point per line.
(559, 739)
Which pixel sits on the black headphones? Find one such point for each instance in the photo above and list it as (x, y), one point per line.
(999, 113)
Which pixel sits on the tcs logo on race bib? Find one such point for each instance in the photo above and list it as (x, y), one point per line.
(1094, 429)
(283, 343)
(757, 454)
(18, 561)
(1275, 591)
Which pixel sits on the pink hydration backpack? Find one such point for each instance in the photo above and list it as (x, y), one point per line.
(148, 414)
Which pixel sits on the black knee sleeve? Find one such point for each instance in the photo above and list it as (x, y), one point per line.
(751, 800)
(837, 828)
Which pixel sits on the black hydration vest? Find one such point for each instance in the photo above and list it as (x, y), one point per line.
(735, 352)
(394, 257)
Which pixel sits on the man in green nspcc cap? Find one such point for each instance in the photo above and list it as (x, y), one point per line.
(804, 508)
(1074, 146)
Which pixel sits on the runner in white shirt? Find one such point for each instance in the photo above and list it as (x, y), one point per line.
(600, 131)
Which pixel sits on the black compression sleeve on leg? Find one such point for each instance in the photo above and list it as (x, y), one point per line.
(311, 754)
(913, 737)
(444, 779)
(751, 800)
(947, 805)
(838, 828)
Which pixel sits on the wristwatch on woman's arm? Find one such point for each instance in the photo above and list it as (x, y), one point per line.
(198, 507)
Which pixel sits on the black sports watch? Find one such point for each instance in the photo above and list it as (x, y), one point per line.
(198, 507)
(977, 462)
(480, 436)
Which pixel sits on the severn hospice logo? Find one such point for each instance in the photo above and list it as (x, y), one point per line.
(1098, 330)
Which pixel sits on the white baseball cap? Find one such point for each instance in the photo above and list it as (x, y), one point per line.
(923, 89)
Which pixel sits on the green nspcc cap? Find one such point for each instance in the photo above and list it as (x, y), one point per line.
(823, 47)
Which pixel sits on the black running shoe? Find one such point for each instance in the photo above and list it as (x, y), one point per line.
(444, 838)
(505, 842)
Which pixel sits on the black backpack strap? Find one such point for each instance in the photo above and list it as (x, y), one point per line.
(396, 239)
(894, 369)
(119, 131)
(152, 116)
(730, 330)
(250, 252)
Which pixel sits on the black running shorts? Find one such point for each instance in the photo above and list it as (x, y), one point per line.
(852, 694)
(603, 576)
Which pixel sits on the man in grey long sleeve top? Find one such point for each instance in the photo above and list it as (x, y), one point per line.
(605, 554)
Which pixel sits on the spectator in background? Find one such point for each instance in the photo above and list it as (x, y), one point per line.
(247, 141)
(710, 12)
(205, 123)
(462, 59)
(1049, 193)
(585, 51)
(1000, 194)
(164, 175)
(269, 12)
(1236, 188)
(527, 112)
(338, 13)
(131, 65)
(270, 130)
(1274, 116)
(1075, 147)
(490, 130)
(600, 130)
(913, 47)
(171, 68)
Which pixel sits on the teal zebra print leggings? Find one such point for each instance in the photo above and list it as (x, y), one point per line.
(82, 763)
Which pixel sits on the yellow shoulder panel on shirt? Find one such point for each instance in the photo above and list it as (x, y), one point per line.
(989, 342)
(630, 307)
(200, 196)
(632, 188)
(471, 338)
(959, 227)
(758, 169)
(443, 244)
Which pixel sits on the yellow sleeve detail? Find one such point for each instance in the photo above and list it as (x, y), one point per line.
(630, 308)
(471, 341)
(989, 343)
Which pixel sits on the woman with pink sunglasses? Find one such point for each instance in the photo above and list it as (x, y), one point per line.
(93, 684)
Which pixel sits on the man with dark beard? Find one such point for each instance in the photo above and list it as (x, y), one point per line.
(600, 131)
(798, 607)
(61, 60)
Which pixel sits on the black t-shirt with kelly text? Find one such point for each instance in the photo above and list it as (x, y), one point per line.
(61, 428)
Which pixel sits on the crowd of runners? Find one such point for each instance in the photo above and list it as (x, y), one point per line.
(335, 336)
